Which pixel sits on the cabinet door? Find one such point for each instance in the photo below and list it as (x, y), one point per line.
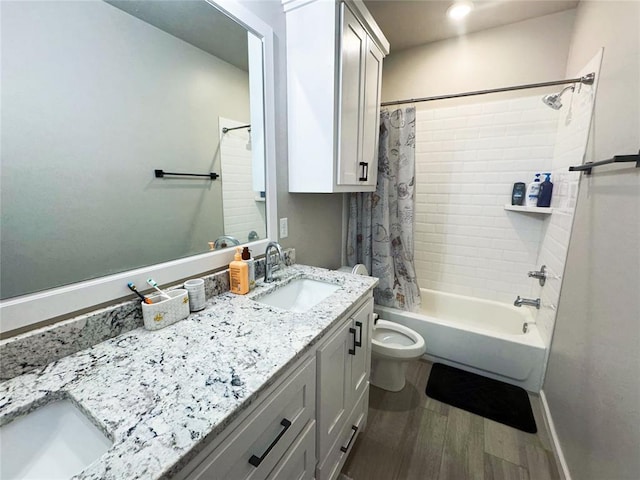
(360, 362)
(334, 382)
(371, 117)
(353, 48)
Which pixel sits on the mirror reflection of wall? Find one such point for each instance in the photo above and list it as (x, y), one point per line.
(94, 100)
(244, 207)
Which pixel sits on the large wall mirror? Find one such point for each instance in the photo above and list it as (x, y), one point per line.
(97, 96)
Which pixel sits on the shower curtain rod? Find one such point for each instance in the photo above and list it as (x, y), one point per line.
(587, 80)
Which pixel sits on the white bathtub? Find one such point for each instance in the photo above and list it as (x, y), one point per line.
(480, 336)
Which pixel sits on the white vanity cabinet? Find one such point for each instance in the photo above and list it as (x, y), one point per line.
(304, 425)
(343, 363)
(276, 435)
(334, 75)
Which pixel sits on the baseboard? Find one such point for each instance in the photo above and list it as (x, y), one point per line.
(561, 462)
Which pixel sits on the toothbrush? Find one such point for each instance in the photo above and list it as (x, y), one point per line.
(133, 288)
(153, 283)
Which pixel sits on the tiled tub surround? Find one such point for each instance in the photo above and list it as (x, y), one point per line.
(467, 160)
(37, 348)
(160, 394)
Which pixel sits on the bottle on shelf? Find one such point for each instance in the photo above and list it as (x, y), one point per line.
(546, 189)
(533, 190)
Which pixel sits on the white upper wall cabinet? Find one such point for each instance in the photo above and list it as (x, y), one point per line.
(334, 74)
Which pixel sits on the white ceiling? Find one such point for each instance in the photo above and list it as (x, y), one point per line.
(408, 23)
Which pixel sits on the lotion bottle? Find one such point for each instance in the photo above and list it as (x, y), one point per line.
(238, 274)
(533, 190)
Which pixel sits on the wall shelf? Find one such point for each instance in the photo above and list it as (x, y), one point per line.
(539, 210)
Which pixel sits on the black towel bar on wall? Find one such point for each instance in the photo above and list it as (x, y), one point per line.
(162, 174)
(586, 168)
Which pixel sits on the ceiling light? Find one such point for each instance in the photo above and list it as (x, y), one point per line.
(459, 10)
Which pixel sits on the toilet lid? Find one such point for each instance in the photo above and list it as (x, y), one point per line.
(358, 269)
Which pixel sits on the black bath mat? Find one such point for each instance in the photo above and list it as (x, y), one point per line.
(483, 396)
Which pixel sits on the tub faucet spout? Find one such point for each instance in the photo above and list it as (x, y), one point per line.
(527, 301)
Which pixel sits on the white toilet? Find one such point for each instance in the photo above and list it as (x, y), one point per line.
(392, 347)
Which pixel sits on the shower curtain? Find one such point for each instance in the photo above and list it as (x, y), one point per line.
(380, 228)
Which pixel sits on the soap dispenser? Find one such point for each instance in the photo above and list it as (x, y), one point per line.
(238, 274)
(546, 189)
(246, 257)
(533, 190)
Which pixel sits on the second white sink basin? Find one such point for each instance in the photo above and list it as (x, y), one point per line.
(53, 442)
(299, 295)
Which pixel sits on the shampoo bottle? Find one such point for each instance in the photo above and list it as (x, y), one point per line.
(246, 257)
(546, 189)
(238, 274)
(533, 190)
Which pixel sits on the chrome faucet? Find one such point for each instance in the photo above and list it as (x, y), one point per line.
(527, 301)
(225, 241)
(270, 267)
(541, 275)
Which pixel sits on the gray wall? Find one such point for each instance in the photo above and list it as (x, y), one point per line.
(93, 100)
(592, 384)
(315, 220)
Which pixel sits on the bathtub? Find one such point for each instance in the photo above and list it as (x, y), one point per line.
(480, 336)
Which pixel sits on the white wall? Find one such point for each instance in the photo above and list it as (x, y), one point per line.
(467, 160)
(93, 101)
(592, 385)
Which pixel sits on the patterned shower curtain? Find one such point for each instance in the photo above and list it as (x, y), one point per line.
(380, 230)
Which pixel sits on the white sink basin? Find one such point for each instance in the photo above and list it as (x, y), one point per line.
(299, 295)
(53, 442)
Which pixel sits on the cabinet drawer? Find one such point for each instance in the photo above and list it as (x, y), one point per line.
(341, 449)
(299, 463)
(255, 446)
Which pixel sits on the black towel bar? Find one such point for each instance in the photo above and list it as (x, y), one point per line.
(586, 168)
(162, 173)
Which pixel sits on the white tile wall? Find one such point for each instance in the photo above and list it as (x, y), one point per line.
(573, 132)
(242, 213)
(467, 159)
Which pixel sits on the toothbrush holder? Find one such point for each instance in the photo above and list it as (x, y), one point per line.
(163, 311)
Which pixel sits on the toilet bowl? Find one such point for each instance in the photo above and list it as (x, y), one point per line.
(392, 347)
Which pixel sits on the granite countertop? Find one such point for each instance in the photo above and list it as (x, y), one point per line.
(162, 395)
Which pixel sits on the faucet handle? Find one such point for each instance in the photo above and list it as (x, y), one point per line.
(541, 275)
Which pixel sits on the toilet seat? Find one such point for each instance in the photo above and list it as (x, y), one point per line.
(396, 341)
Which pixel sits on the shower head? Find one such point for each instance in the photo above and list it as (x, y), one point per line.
(553, 99)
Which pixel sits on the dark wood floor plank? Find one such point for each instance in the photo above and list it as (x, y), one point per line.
(498, 469)
(541, 463)
(463, 453)
(421, 459)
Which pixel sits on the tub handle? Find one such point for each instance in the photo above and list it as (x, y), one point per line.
(352, 351)
(358, 343)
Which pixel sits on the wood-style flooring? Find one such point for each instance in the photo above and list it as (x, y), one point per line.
(411, 436)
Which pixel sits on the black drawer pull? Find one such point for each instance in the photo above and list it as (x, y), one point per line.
(352, 351)
(359, 342)
(365, 171)
(256, 461)
(353, 435)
